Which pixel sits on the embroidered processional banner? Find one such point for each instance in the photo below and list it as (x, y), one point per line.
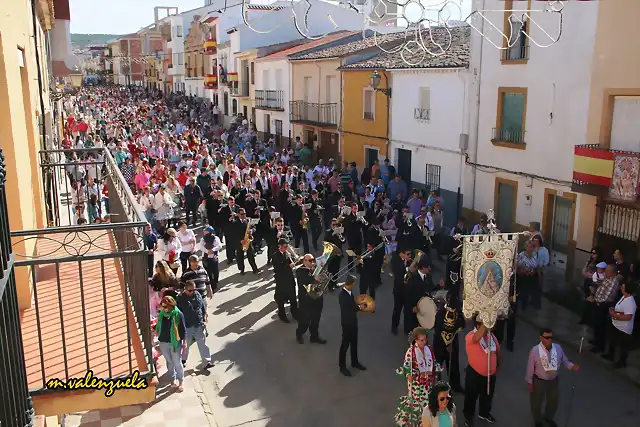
(487, 266)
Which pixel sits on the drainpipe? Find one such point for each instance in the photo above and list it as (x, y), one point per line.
(388, 98)
(477, 118)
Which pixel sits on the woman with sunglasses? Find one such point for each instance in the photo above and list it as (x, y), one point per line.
(419, 368)
(171, 332)
(440, 410)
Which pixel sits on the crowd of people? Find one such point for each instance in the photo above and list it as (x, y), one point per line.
(189, 173)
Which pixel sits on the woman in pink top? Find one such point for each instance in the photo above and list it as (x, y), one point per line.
(142, 178)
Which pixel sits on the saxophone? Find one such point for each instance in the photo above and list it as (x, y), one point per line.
(305, 219)
(248, 238)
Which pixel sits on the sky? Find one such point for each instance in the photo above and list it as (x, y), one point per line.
(128, 16)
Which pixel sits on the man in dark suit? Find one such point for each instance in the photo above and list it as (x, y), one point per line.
(257, 208)
(315, 218)
(349, 322)
(310, 309)
(399, 264)
(240, 225)
(297, 228)
(420, 284)
(449, 321)
(285, 281)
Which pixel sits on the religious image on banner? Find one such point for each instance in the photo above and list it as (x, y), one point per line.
(626, 175)
(487, 266)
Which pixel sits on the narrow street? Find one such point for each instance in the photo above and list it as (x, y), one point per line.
(263, 377)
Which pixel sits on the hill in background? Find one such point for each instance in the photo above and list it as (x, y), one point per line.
(79, 41)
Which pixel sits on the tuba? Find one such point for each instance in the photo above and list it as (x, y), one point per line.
(320, 273)
(248, 238)
(414, 266)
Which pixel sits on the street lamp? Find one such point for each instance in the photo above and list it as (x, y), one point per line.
(375, 82)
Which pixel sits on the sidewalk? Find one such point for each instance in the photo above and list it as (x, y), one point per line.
(567, 331)
(170, 408)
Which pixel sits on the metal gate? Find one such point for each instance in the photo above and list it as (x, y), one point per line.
(16, 409)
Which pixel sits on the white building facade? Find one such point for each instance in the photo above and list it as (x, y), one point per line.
(529, 108)
(272, 96)
(429, 114)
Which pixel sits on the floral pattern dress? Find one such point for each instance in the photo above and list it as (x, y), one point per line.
(411, 405)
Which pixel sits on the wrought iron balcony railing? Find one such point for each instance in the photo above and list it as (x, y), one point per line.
(515, 53)
(422, 114)
(83, 275)
(241, 88)
(510, 135)
(270, 99)
(312, 113)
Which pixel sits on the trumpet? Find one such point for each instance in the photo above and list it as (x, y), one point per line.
(407, 219)
(360, 217)
(305, 219)
(413, 267)
(338, 232)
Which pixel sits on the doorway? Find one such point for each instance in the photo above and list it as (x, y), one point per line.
(309, 137)
(558, 218)
(403, 165)
(253, 116)
(370, 156)
(505, 202)
(245, 112)
(278, 133)
(328, 148)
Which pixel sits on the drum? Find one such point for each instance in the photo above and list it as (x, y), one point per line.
(427, 310)
(366, 299)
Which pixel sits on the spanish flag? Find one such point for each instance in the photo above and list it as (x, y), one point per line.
(593, 165)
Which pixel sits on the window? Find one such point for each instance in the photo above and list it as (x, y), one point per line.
(179, 31)
(278, 79)
(265, 79)
(368, 103)
(432, 175)
(328, 89)
(253, 74)
(515, 48)
(225, 104)
(511, 115)
(423, 110)
(234, 107)
(308, 96)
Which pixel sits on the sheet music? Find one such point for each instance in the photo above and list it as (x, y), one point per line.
(275, 215)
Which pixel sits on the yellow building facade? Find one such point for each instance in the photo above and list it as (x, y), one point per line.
(365, 124)
(26, 128)
(246, 83)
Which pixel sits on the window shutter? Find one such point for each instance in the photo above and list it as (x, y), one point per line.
(425, 101)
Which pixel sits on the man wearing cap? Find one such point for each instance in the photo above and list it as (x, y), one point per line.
(419, 285)
(310, 309)
(604, 297)
(285, 281)
(349, 323)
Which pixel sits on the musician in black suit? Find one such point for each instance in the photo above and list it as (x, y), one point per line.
(285, 281)
(420, 285)
(366, 268)
(353, 231)
(257, 208)
(309, 309)
(400, 262)
(297, 225)
(239, 226)
(213, 203)
(315, 222)
(446, 347)
(264, 186)
(272, 236)
(226, 215)
(334, 262)
(349, 323)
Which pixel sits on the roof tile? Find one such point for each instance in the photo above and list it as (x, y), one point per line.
(387, 40)
(310, 44)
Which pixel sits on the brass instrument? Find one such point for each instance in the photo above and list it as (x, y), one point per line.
(407, 219)
(305, 219)
(293, 256)
(339, 233)
(414, 266)
(248, 238)
(360, 217)
(322, 279)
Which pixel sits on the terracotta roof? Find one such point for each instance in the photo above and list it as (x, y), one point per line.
(310, 45)
(455, 55)
(387, 40)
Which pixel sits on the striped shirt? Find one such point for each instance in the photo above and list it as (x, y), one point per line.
(199, 277)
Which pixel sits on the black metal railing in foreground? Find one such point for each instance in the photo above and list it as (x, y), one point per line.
(312, 113)
(16, 408)
(86, 246)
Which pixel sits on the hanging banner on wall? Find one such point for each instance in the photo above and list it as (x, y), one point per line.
(487, 267)
(626, 175)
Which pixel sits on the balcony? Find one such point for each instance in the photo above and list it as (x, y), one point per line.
(423, 114)
(517, 53)
(210, 47)
(323, 115)
(239, 89)
(90, 297)
(510, 137)
(599, 171)
(270, 100)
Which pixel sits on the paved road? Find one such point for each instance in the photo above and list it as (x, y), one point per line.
(264, 378)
